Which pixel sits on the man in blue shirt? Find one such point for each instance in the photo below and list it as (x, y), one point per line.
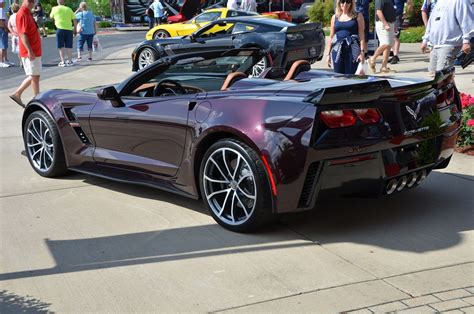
(362, 6)
(86, 20)
(399, 7)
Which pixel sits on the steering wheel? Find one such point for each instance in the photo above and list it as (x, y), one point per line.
(160, 89)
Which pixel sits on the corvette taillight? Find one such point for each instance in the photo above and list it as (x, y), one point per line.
(348, 117)
(368, 116)
(447, 96)
(338, 118)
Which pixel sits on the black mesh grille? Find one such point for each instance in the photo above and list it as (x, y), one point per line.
(82, 135)
(309, 184)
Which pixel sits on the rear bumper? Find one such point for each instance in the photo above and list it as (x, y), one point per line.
(372, 174)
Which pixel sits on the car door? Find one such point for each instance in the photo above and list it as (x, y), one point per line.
(144, 134)
(216, 36)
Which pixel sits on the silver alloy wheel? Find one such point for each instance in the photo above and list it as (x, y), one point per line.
(40, 144)
(259, 67)
(145, 58)
(159, 34)
(229, 186)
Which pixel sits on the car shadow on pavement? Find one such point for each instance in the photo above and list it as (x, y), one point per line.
(428, 218)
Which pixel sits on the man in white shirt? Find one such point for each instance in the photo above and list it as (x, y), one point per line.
(232, 4)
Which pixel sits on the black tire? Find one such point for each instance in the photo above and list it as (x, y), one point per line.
(57, 164)
(259, 210)
(161, 33)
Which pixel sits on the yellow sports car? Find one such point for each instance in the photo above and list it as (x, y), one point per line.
(188, 27)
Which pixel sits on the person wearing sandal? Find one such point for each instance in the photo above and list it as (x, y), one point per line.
(385, 17)
(30, 50)
(347, 36)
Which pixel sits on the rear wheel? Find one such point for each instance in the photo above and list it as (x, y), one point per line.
(145, 58)
(234, 186)
(43, 146)
(161, 33)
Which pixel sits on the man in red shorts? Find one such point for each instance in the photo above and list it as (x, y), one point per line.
(30, 50)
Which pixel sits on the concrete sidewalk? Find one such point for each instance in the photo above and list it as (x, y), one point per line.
(83, 244)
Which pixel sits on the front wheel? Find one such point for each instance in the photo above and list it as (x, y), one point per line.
(43, 146)
(145, 58)
(235, 187)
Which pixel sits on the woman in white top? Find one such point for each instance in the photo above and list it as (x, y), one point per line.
(13, 30)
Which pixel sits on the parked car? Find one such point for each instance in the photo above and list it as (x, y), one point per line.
(190, 26)
(300, 14)
(251, 148)
(285, 42)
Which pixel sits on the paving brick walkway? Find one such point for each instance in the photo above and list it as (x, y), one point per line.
(451, 301)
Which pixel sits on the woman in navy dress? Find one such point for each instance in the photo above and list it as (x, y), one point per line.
(347, 38)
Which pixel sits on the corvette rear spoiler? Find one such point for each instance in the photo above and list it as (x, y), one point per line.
(302, 28)
(371, 91)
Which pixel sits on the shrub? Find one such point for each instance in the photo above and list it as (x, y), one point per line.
(466, 134)
(412, 34)
(321, 12)
(105, 24)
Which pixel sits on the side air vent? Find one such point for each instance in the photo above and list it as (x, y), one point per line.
(70, 115)
(82, 136)
(309, 185)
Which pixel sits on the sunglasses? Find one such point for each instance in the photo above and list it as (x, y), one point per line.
(345, 1)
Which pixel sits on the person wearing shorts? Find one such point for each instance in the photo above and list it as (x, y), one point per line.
(30, 50)
(399, 5)
(39, 16)
(385, 17)
(65, 22)
(4, 63)
(450, 29)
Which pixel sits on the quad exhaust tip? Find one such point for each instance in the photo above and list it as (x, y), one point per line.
(406, 181)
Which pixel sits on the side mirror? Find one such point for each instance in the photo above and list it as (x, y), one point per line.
(110, 93)
(192, 38)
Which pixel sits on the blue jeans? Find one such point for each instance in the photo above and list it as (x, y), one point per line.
(345, 65)
(85, 38)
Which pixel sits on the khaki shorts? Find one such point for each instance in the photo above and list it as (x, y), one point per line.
(32, 67)
(385, 37)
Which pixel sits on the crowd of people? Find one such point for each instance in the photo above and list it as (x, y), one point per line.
(449, 30)
(67, 22)
(26, 23)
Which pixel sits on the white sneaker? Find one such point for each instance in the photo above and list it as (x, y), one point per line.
(61, 64)
(4, 65)
(69, 63)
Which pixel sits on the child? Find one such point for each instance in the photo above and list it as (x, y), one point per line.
(13, 30)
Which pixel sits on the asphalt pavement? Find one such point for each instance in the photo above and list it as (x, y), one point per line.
(110, 42)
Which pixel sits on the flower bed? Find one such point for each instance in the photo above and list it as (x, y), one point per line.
(466, 134)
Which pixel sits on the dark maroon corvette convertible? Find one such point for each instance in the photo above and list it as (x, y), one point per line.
(252, 148)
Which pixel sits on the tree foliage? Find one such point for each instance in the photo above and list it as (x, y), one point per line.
(98, 7)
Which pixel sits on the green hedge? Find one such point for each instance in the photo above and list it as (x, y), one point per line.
(104, 24)
(412, 34)
(321, 12)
